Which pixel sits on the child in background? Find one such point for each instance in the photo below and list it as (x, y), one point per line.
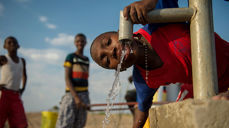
(161, 54)
(73, 113)
(13, 70)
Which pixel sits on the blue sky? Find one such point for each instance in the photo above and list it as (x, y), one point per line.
(45, 30)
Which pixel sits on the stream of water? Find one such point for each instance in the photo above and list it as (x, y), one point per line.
(113, 92)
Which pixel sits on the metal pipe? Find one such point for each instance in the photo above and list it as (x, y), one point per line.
(170, 15)
(112, 109)
(121, 103)
(128, 103)
(155, 16)
(204, 70)
(125, 29)
(125, 103)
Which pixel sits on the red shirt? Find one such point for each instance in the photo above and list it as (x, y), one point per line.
(172, 44)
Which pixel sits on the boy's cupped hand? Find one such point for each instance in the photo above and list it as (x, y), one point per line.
(79, 103)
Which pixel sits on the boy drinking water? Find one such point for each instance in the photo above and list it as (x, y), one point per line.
(161, 54)
(13, 70)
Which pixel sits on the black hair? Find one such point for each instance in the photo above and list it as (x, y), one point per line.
(99, 36)
(10, 37)
(114, 32)
(82, 35)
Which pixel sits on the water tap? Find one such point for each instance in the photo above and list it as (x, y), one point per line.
(125, 31)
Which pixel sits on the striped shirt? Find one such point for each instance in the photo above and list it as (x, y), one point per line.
(80, 68)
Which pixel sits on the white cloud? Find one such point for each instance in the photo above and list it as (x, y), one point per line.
(44, 20)
(45, 86)
(51, 26)
(1, 9)
(61, 39)
(49, 56)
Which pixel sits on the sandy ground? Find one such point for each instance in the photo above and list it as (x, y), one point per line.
(94, 120)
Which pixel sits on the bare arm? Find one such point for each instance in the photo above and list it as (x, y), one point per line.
(140, 118)
(137, 11)
(3, 60)
(24, 76)
(69, 84)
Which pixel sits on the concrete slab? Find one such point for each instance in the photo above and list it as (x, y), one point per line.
(191, 114)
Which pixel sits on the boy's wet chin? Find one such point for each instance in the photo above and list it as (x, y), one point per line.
(124, 67)
(105, 67)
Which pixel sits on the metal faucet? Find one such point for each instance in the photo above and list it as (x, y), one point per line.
(125, 30)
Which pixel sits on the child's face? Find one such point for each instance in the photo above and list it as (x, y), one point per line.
(106, 51)
(11, 45)
(80, 42)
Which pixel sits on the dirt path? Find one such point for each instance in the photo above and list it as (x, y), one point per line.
(94, 120)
